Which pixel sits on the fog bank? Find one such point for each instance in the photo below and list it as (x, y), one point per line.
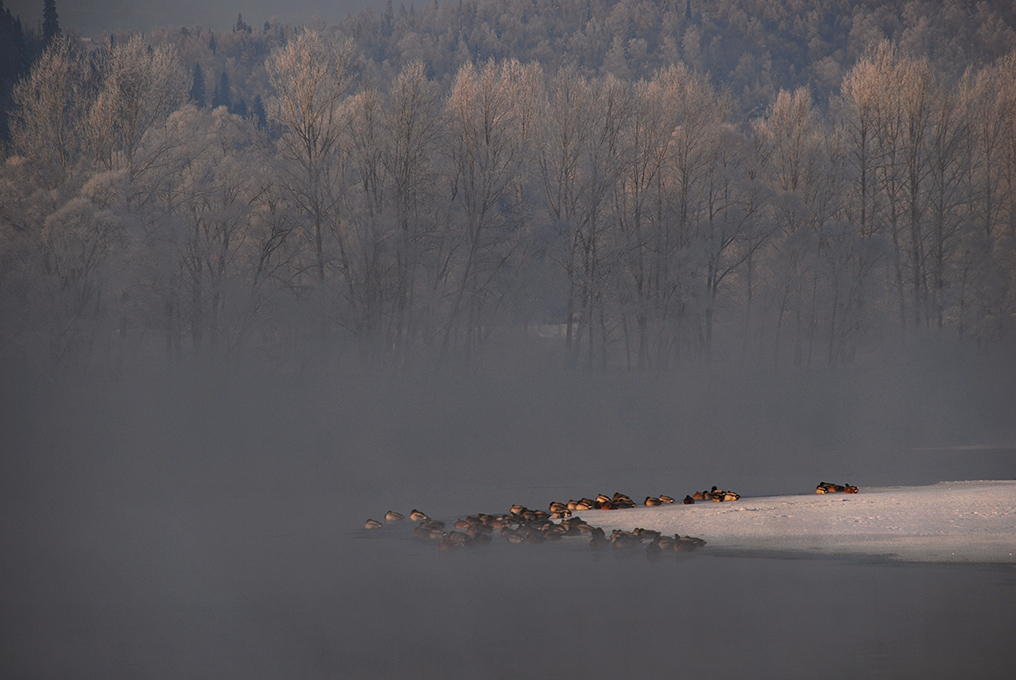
(209, 525)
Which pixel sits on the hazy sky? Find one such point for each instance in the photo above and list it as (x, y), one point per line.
(95, 17)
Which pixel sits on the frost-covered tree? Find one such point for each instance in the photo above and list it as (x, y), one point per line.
(311, 77)
(578, 167)
(50, 105)
(492, 111)
(140, 87)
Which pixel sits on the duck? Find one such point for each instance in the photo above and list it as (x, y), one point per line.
(622, 501)
(731, 496)
(572, 529)
(623, 539)
(417, 516)
(687, 543)
(372, 524)
(558, 507)
(452, 540)
(688, 500)
(480, 539)
(826, 487)
(652, 501)
(666, 500)
(392, 516)
(699, 496)
(534, 537)
(458, 537)
(665, 542)
(518, 510)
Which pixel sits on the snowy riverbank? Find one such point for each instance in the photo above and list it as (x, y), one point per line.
(945, 522)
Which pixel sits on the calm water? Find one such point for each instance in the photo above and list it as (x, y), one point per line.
(217, 535)
(239, 591)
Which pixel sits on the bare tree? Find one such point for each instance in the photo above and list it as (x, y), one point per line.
(947, 191)
(578, 166)
(414, 132)
(311, 77)
(50, 105)
(140, 87)
(491, 112)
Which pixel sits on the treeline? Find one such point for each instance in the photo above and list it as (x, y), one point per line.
(398, 220)
(751, 48)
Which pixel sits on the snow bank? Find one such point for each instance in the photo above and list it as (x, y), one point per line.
(945, 522)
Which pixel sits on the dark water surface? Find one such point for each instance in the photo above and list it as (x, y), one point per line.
(197, 532)
(237, 592)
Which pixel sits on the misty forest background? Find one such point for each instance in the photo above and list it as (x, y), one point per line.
(579, 184)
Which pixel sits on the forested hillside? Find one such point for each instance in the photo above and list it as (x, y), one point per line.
(607, 185)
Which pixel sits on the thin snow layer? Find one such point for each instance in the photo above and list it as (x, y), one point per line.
(945, 522)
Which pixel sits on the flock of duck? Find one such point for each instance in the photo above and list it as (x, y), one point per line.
(826, 487)
(523, 525)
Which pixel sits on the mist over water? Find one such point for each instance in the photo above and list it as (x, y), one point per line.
(211, 525)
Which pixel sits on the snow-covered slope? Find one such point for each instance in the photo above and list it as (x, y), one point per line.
(946, 522)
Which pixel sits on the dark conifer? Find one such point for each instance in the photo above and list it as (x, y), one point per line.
(12, 47)
(222, 95)
(197, 92)
(50, 21)
(13, 63)
(259, 113)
